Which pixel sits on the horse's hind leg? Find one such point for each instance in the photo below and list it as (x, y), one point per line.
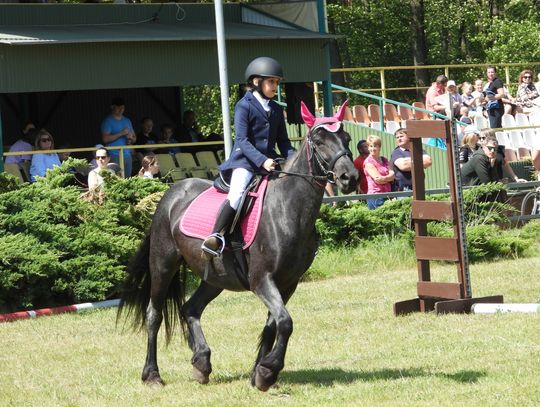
(191, 312)
(279, 326)
(163, 266)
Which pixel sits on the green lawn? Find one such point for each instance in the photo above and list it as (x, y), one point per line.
(347, 349)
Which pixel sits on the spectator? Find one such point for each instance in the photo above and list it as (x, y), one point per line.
(24, 143)
(509, 102)
(469, 144)
(537, 84)
(478, 94)
(146, 135)
(482, 166)
(527, 97)
(102, 159)
(117, 130)
(437, 89)
(467, 97)
(363, 152)
(42, 162)
(167, 137)
(150, 167)
(64, 155)
(494, 92)
(377, 172)
(500, 163)
(401, 161)
(457, 101)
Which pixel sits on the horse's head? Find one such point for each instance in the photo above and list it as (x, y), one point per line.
(328, 148)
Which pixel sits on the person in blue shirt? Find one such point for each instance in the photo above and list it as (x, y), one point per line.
(117, 130)
(42, 162)
(259, 125)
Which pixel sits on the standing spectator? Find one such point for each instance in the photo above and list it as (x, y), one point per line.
(468, 98)
(527, 97)
(117, 130)
(102, 159)
(437, 88)
(146, 135)
(42, 162)
(402, 163)
(494, 92)
(363, 152)
(150, 167)
(377, 172)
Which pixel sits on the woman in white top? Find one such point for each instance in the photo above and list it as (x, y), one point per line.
(102, 160)
(149, 168)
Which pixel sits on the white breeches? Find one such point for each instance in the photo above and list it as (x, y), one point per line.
(239, 181)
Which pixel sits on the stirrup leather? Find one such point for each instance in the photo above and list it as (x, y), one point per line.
(217, 252)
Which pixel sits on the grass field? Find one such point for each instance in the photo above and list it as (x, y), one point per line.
(347, 349)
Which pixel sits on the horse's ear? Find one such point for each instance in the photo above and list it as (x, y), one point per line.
(308, 118)
(341, 112)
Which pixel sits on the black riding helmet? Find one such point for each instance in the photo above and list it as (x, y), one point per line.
(263, 66)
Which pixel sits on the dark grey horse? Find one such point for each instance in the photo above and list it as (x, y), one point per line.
(283, 250)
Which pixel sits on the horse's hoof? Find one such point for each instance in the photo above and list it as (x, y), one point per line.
(263, 378)
(154, 380)
(199, 376)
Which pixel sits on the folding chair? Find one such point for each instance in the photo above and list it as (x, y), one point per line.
(419, 115)
(168, 168)
(360, 115)
(405, 114)
(208, 160)
(187, 163)
(390, 113)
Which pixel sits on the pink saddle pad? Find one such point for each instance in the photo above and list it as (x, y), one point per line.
(200, 217)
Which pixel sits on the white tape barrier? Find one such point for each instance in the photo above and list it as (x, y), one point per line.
(480, 308)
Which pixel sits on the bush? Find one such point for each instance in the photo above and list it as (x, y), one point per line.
(58, 248)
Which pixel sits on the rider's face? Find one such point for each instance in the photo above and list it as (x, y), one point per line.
(269, 86)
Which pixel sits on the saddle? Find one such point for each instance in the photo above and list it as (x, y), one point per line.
(199, 218)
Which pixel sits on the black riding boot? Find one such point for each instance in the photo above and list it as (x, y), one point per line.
(215, 243)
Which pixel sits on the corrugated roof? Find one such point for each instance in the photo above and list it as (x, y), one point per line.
(143, 32)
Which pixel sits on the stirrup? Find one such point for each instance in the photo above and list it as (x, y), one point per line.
(217, 252)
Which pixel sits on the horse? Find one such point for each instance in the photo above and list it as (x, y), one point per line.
(282, 251)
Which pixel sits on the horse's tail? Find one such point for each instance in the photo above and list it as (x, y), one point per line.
(135, 293)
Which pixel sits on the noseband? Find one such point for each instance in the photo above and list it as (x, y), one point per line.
(314, 156)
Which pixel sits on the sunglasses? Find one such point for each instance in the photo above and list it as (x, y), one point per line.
(481, 138)
(101, 157)
(491, 148)
(44, 140)
(527, 77)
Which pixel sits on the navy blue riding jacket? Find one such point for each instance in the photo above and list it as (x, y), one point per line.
(256, 134)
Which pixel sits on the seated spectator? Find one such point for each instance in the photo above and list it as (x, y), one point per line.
(25, 143)
(457, 101)
(527, 97)
(42, 162)
(102, 159)
(167, 137)
(478, 93)
(150, 167)
(501, 162)
(363, 152)
(189, 132)
(469, 144)
(436, 89)
(509, 102)
(467, 98)
(401, 161)
(377, 172)
(482, 166)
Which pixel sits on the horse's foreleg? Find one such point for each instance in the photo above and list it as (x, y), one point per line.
(266, 371)
(268, 337)
(191, 312)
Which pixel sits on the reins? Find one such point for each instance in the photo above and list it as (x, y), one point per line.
(314, 156)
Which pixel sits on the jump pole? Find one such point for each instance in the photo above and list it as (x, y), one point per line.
(499, 308)
(14, 316)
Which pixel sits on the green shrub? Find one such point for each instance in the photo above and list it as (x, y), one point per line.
(59, 248)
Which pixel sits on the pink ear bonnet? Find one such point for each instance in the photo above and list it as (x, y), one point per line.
(331, 124)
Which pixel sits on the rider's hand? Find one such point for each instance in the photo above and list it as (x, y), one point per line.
(269, 165)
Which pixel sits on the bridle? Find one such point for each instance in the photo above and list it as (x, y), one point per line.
(317, 163)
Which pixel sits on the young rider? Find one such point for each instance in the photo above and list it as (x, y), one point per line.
(259, 125)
